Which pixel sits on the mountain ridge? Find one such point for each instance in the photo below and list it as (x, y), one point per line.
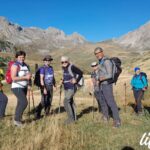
(49, 38)
(138, 39)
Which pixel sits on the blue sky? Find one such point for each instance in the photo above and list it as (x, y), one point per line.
(96, 20)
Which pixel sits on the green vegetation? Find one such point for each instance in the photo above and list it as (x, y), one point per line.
(6, 46)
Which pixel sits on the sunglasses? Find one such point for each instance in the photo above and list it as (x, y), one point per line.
(94, 66)
(64, 62)
(47, 60)
(98, 53)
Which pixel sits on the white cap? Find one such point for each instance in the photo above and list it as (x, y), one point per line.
(94, 64)
(64, 58)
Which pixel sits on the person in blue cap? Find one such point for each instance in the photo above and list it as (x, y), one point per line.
(139, 85)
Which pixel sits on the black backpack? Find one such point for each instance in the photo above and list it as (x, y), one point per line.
(116, 69)
(145, 75)
(37, 78)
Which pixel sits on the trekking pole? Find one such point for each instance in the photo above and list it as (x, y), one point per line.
(125, 99)
(60, 98)
(93, 97)
(74, 108)
(32, 98)
(29, 101)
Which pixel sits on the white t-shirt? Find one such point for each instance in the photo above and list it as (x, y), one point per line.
(23, 71)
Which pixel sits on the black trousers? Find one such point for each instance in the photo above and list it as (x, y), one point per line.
(138, 95)
(46, 101)
(3, 104)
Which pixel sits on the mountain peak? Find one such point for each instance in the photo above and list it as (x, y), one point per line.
(49, 38)
(3, 19)
(138, 39)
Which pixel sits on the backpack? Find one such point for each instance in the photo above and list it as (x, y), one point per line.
(37, 78)
(145, 75)
(81, 81)
(116, 69)
(8, 71)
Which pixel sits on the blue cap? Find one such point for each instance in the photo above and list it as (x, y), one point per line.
(136, 68)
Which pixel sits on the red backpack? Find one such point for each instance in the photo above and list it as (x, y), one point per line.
(8, 72)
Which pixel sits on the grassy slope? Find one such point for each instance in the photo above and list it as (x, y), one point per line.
(50, 133)
(87, 134)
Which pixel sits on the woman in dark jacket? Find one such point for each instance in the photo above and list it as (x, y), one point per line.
(71, 77)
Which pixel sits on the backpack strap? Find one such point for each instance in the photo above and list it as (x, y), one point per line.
(18, 66)
(103, 60)
(27, 66)
(70, 70)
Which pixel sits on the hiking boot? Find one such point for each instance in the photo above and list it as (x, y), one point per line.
(18, 123)
(104, 119)
(140, 113)
(117, 124)
(47, 111)
(37, 116)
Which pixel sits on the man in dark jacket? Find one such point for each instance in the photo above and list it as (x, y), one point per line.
(106, 89)
(71, 77)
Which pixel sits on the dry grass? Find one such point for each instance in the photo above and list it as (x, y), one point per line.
(50, 133)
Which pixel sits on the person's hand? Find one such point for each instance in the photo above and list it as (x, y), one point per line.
(55, 88)
(73, 81)
(97, 82)
(45, 91)
(29, 87)
(61, 82)
(28, 76)
(144, 89)
(102, 78)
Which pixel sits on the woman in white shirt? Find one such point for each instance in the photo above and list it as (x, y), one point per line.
(21, 76)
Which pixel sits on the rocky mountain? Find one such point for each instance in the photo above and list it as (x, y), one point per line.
(138, 39)
(37, 37)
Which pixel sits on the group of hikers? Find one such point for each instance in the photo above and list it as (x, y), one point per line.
(102, 78)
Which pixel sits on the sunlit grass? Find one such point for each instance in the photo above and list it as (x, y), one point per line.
(87, 133)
